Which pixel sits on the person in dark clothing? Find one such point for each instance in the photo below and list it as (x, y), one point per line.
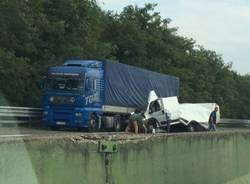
(135, 122)
(212, 120)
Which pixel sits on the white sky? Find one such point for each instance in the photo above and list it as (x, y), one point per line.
(219, 25)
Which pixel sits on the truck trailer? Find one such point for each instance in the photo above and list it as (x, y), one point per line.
(99, 94)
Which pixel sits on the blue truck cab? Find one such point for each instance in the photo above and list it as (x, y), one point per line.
(72, 93)
(99, 94)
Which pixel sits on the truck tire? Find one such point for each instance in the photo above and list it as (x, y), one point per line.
(93, 123)
(143, 129)
(54, 128)
(117, 126)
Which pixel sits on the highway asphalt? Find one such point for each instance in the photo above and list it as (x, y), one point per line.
(40, 131)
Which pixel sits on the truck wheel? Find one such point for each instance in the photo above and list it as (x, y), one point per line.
(143, 129)
(117, 123)
(93, 123)
(54, 128)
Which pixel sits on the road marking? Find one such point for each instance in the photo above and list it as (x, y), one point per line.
(24, 135)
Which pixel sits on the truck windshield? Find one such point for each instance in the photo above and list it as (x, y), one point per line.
(64, 83)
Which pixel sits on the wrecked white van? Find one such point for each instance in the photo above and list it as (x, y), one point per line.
(167, 113)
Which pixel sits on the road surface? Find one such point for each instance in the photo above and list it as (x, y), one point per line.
(43, 132)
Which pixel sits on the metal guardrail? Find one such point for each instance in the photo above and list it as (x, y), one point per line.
(19, 115)
(24, 115)
(234, 123)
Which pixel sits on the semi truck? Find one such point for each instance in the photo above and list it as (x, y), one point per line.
(98, 94)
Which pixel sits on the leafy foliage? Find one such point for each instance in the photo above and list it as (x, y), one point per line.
(36, 34)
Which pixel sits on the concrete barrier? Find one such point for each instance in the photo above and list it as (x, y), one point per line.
(50, 161)
(195, 159)
(221, 157)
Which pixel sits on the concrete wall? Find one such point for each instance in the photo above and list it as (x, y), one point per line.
(199, 158)
(47, 161)
(185, 158)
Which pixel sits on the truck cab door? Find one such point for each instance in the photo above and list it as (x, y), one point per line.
(151, 97)
(156, 111)
(91, 92)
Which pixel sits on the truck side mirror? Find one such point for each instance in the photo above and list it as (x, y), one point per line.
(40, 83)
(88, 85)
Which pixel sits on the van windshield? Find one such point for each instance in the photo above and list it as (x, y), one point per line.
(64, 83)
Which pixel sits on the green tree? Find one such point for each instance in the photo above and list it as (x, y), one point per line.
(36, 34)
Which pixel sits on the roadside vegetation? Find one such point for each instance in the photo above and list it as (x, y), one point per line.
(36, 34)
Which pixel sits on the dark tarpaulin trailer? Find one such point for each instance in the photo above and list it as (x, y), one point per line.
(129, 86)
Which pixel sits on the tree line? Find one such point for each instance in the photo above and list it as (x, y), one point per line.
(36, 34)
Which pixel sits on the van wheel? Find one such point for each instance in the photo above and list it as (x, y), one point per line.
(151, 125)
(192, 127)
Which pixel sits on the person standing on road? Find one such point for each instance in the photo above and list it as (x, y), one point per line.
(135, 122)
(212, 120)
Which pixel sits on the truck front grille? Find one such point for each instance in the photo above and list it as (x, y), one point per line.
(61, 100)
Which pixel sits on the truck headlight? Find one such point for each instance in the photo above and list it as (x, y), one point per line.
(72, 99)
(51, 99)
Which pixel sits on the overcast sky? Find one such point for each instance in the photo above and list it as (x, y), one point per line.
(219, 25)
